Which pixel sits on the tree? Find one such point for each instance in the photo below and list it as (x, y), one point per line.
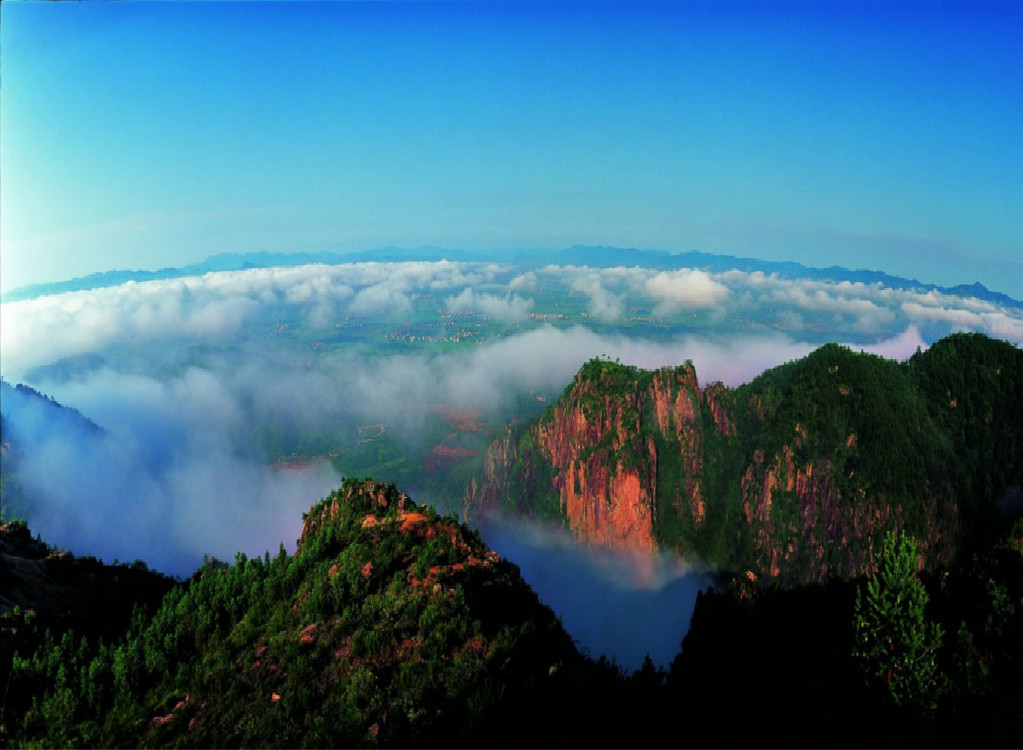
(896, 645)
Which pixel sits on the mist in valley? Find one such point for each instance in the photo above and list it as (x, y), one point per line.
(201, 386)
(624, 604)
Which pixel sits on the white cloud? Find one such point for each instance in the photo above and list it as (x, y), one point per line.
(170, 479)
(685, 288)
(385, 299)
(510, 308)
(900, 347)
(525, 282)
(41, 330)
(605, 306)
(217, 306)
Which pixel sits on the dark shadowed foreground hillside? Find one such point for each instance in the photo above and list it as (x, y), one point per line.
(792, 478)
(45, 589)
(393, 626)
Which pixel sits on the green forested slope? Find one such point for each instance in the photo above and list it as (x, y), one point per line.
(973, 386)
(793, 477)
(392, 626)
(389, 625)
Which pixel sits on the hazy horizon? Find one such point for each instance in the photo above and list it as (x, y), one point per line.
(862, 134)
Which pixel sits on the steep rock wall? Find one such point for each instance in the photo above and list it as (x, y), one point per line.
(792, 478)
(596, 450)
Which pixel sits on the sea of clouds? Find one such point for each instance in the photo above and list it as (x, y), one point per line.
(175, 473)
(178, 450)
(216, 306)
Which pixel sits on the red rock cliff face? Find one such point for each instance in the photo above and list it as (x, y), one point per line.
(507, 481)
(600, 441)
(606, 478)
(677, 401)
(812, 524)
(596, 458)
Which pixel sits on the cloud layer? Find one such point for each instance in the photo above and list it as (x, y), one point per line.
(187, 371)
(218, 306)
(166, 481)
(199, 382)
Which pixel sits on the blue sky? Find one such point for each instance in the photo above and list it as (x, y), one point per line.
(873, 135)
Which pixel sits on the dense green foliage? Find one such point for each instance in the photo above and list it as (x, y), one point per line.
(10, 487)
(722, 537)
(821, 456)
(896, 645)
(390, 625)
(779, 667)
(46, 594)
(603, 380)
(834, 393)
(974, 390)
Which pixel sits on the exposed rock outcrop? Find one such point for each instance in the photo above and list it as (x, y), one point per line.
(597, 450)
(794, 477)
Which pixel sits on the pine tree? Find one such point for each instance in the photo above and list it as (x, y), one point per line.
(896, 645)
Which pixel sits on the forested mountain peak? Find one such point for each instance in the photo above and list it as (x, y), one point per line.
(790, 478)
(390, 624)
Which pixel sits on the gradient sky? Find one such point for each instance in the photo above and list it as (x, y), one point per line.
(881, 135)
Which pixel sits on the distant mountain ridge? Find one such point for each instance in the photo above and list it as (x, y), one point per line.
(579, 255)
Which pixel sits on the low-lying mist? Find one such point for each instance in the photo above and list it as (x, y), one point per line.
(201, 385)
(161, 482)
(625, 605)
(182, 467)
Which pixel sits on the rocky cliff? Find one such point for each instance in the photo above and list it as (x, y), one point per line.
(593, 458)
(791, 478)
